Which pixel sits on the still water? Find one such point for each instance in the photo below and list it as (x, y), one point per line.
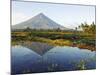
(25, 60)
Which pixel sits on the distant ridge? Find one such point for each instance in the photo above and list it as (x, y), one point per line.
(39, 21)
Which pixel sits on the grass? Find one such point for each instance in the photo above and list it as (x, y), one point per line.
(78, 39)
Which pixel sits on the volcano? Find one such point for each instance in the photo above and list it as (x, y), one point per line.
(39, 21)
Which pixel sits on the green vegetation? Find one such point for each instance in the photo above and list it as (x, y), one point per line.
(85, 38)
(81, 65)
(88, 28)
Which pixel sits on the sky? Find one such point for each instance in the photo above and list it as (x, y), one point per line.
(67, 15)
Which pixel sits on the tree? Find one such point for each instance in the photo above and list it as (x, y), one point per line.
(58, 29)
(93, 28)
(76, 28)
(88, 28)
(27, 29)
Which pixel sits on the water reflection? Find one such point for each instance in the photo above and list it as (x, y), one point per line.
(25, 60)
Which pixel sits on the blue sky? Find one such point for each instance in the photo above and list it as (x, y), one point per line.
(69, 16)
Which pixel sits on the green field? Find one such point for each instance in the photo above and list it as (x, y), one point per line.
(56, 38)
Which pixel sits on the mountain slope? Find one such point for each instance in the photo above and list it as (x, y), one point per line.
(40, 21)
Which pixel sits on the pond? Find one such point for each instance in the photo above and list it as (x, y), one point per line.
(25, 60)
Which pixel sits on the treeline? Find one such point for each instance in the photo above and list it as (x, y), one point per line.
(87, 28)
(83, 27)
(43, 30)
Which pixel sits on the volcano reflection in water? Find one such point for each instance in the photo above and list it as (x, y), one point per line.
(25, 60)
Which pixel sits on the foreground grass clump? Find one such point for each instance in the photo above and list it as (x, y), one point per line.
(61, 42)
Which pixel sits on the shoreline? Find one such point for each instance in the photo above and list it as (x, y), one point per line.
(81, 46)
